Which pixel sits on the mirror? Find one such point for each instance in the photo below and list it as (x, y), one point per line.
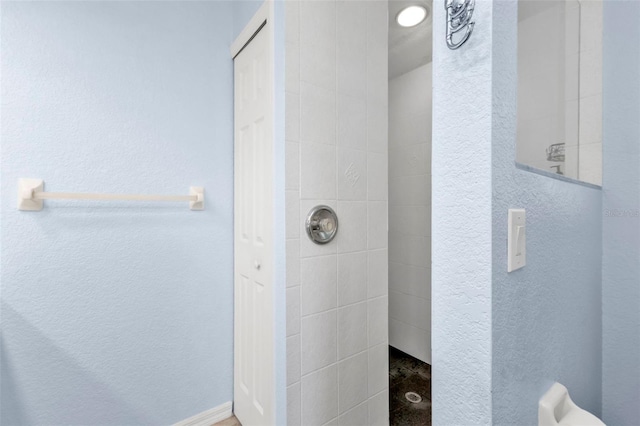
(559, 126)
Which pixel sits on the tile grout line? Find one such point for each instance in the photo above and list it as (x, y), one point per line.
(367, 113)
(299, 178)
(335, 124)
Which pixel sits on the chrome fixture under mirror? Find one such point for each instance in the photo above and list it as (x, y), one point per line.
(322, 224)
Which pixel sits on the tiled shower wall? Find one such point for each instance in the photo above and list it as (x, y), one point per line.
(410, 212)
(336, 154)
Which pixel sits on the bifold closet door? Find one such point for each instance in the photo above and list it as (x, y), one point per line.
(253, 234)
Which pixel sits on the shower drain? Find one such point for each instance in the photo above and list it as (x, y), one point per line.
(413, 397)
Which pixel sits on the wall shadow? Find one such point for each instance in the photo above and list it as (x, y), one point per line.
(41, 384)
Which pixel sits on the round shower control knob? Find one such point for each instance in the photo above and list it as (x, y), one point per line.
(322, 224)
(326, 225)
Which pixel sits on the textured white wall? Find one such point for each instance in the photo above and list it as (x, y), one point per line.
(621, 215)
(461, 224)
(500, 340)
(116, 313)
(336, 154)
(410, 212)
(546, 316)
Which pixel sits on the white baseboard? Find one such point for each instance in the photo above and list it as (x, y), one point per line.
(209, 417)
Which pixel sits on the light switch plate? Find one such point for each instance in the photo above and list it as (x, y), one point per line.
(516, 240)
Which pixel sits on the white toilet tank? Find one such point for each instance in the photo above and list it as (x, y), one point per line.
(557, 409)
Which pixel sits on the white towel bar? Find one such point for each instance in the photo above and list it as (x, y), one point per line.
(31, 195)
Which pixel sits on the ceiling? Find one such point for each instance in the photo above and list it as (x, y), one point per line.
(408, 47)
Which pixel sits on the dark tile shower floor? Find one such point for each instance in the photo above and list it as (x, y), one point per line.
(408, 374)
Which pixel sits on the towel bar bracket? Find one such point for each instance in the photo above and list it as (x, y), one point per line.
(26, 189)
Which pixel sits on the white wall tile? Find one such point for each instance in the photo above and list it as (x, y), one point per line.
(293, 262)
(571, 158)
(352, 278)
(317, 114)
(377, 128)
(292, 214)
(320, 396)
(571, 83)
(318, 36)
(531, 134)
(406, 160)
(423, 127)
(378, 317)
(292, 167)
(292, 21)
(379, 409)
(352, 231)
(293, 310)
(591, 163)
(317, 66)
(292, 67)
(342, 120)
(352, 175)
(378, 376)
(572, 28)
(412, 340)
(293, 359)
(410, 129)
(378, 229)
(294, 405)
(412, 280)
(410, 220)
(591, 120)
(410, 250)
(351, 49)
(352, 330)
(317, 23)
(378, 266)
(400, 132)
(572, 124)
(378, 181)
(409, 190)
(591, 14)
(318, 341)
(410, 309)
(319, 284)
(357, 416)
(292, 117)
(318, 171)
(410, 93)
(409, 193)
(352, 122)
(375, 58)
(377, 51)
(353, 390)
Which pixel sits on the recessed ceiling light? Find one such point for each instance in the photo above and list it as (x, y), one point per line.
(411, 16)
